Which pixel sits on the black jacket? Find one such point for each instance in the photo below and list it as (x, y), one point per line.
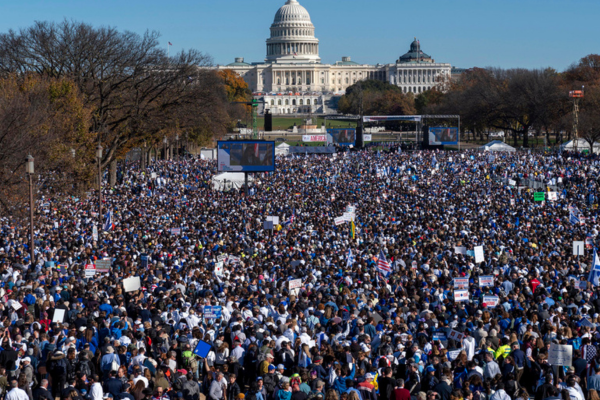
(42, 394)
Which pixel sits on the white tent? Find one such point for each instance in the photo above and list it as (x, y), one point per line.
(497, 145)
(579, 145)
(230, 180)
(282, 150)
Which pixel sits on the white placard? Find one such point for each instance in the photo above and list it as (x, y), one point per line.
(90, 270)
(486, 280)
(16, 305)
(339, 221)
(512, 182)
(460, 250)
(552, 196)
(491, 301)
(219, 269)
(349, 216)
(479, 254)
(59, 315)
(153, 175)
(295, 284)
(275, 220)
(95, 233)
(55, 225)
(461, 295)
(560, 354)
(132, 284)
(455, 335)
(578, 248)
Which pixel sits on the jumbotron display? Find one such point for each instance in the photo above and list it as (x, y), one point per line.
(245, 156)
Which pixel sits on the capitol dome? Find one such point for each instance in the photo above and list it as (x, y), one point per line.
(292, 36)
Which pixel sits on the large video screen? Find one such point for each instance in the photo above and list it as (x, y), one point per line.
(344, 137)
(245, 156)
(441, 136)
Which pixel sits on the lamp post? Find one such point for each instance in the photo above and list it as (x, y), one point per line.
(165, 148)
(29, 169)
(177, 147)
(99, 157)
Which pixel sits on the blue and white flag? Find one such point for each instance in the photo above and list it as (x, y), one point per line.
(350, 260)
(594, 277)
(108, 225)
(574, 215)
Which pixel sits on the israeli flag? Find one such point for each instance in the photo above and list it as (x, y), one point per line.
(573, 218)
(594, 276)
(108, 222)
(350, 259)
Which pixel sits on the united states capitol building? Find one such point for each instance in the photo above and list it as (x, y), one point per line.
(292, 80)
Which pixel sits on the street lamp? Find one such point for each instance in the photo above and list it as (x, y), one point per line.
(29, 169)
(99, 157)
(165, 147)
(177, 146)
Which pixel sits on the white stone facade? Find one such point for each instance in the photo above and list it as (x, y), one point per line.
(293, 75)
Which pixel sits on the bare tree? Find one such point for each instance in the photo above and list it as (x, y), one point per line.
(126, 78)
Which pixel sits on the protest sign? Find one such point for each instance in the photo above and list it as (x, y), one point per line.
(59, 315)
(212, 312)
(452, 354)
(103, 266)
(349, 216)
(461, 295)
(175, 231)
(512, 182)
(578, 248)
(490, 301)
(222, 258)
(414, 265)
(90, 270)
(295, 284)
(351, 209)
(539, 196)
(479, 254)
(95, 233)
(202, 349)
(339, 221)
(586, 322)
(441, 337)
(153, 175)
(219, 269)
(589, 243)
(560, 354)
(552, 196)
(132, 284)
(485, 281)
(16, 305)
(460, 250)
(455, 335)
(233, 260)
(461, 283)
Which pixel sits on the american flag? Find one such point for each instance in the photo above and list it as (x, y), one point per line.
(383, 266)
(170, 44)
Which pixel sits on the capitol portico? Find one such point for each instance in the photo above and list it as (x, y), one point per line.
(293, 80)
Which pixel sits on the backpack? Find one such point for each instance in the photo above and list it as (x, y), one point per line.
(84, 367)
(189, 361)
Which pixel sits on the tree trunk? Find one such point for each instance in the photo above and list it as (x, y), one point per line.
(143, 158)
(515, 136)
(112, 173)
(525, 136)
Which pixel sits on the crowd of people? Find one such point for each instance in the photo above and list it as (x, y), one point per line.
(390, 275)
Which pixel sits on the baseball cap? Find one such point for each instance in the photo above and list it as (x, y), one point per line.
(272, 367)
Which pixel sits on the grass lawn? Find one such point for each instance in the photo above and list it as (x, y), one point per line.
(284, 123)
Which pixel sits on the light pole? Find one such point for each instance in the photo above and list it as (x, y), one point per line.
(177, 147)
(165, 147)
(29, 169)
(99, 157)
